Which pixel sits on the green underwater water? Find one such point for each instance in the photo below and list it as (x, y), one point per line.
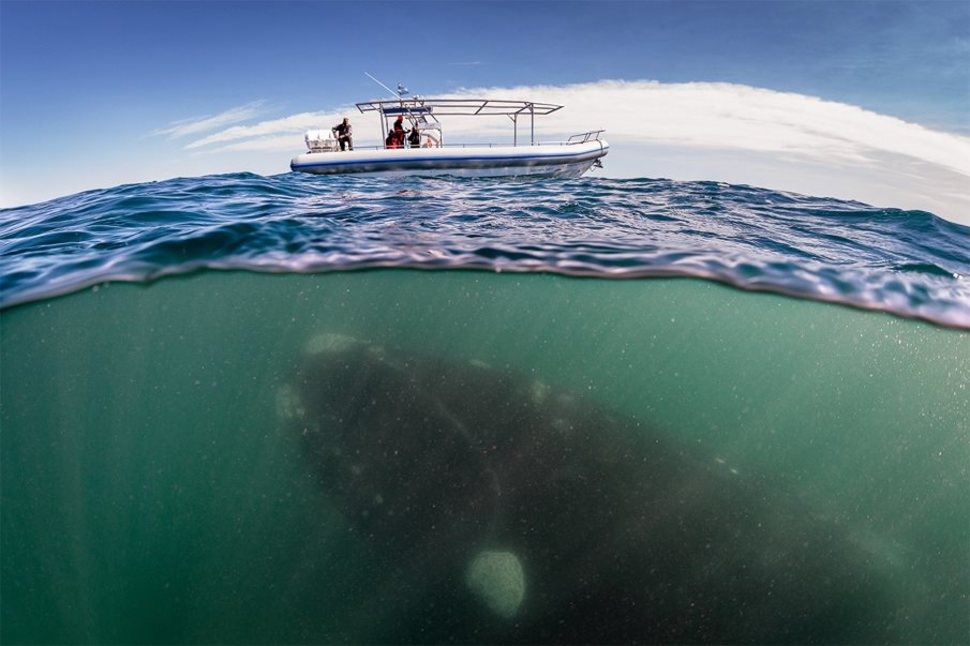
(150, 495)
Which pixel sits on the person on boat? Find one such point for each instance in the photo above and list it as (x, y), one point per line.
(399, 130)
(345, 134)
(391, 141)
(415, 137)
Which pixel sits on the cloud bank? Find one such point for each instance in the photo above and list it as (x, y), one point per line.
(708, 115)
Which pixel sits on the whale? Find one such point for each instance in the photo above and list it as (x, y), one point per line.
(505, 510)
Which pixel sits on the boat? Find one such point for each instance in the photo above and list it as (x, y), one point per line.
(433, 155)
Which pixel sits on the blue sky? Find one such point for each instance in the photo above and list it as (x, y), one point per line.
(93, 94)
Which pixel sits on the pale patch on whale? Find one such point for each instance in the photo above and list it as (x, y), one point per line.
(330, 342)
(288, 403)
(539, 391)
(498, 580)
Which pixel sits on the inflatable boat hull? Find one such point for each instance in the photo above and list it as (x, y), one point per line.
(555, 160)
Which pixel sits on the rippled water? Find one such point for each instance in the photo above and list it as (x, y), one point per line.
(510, 445)
(910, 263)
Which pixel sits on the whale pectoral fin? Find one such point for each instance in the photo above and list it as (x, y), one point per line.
(498, 581)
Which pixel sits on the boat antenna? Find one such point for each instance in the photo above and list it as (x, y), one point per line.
(396, 95)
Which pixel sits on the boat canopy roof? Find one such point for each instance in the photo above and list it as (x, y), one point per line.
(468, 107)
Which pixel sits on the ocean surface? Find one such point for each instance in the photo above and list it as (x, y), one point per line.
(798, 363)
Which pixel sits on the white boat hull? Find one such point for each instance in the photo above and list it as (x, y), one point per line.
(547, 160)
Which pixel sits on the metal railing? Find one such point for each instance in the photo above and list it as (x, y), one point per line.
(586, 136)
(581, 138)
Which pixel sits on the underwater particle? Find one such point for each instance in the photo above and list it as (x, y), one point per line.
(497, 579)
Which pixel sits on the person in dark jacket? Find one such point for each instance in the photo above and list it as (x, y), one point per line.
(344, 133)
(415, 137)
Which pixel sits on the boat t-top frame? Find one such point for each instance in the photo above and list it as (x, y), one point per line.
(423, 112)
(428, 155)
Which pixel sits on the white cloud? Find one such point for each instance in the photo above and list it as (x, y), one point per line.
(738, 117)
(194, 126)
(705, 115)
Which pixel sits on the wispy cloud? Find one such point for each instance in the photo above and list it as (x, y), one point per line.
(293, 124)
(194, 126)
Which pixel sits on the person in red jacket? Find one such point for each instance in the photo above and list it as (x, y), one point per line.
(399, 131)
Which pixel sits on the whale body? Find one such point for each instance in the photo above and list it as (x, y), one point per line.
(504, 510)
